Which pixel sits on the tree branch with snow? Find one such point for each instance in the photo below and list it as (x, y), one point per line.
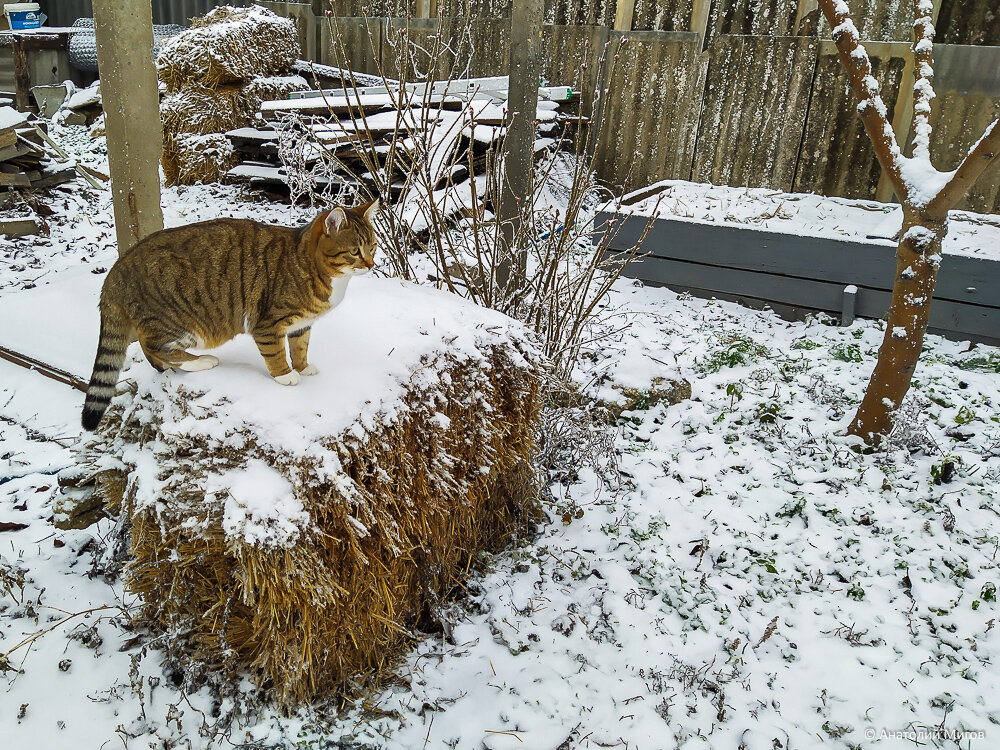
(927, 195)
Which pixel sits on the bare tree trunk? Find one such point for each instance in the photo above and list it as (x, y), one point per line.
(926, 194)
(917, 260)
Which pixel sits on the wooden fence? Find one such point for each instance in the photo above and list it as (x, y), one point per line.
(736, 92)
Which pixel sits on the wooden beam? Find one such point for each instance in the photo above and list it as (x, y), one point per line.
(623, 15)
(22, 74)
(902, 119)
(804, 8)
(700, 11)
(129, 88)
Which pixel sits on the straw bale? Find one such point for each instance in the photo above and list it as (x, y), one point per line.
(199, 109)
(229, 45)
(190, 158)
(383, 512)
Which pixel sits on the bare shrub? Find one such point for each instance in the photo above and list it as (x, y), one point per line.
(445, 170)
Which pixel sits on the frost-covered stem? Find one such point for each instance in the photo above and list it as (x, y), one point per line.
(871, 108)
(980, 157)
(923, 73)
(917, 260)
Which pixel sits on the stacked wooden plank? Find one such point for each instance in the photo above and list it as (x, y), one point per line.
(23, 159)
(369, 127)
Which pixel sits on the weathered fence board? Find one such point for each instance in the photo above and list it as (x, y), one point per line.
(880, 20)
(481, 46)
(360, 42)
(472, 8)
(376, 8)
(579, 12)
(837, 157)
(572, 55)
(967, 82)
(652, 107)
(806, 272)
(756, 101)
(758, 17)
(969, 22)
(662, 15)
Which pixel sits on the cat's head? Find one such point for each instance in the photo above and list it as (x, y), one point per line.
(345, 238)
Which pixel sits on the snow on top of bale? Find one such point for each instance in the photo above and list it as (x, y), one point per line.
(227, 45)
(309, 527)
(370, 351)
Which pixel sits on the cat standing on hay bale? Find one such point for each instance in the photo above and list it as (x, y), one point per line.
(201, 285)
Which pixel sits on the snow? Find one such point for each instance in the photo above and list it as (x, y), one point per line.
(11, 118)
(752, 578)
(260, 506)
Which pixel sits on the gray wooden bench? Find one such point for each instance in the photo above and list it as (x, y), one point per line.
(795, 275)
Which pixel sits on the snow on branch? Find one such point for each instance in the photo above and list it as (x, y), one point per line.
(923, 73)
(872, 110)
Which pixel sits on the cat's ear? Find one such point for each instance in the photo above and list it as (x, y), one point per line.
(373, 208)
(335, 220)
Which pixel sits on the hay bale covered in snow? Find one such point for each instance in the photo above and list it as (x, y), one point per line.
(300, 532)
(190, 158)
(228, 45)
(217, 73)
(199, 109)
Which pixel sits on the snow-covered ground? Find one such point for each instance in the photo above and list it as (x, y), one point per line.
(753, 579)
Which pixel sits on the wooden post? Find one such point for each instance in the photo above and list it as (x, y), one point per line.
(519, 143)
(624, 11)
(22, 74)
(804, 8)
(902, 115)
(424, 9)
(132, 110)
(699, 19)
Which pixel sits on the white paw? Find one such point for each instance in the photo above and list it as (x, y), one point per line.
(204, 362)
(309, 370)
(291, 378)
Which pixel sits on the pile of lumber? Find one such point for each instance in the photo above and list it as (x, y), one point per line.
(23, 153)
(376, 126)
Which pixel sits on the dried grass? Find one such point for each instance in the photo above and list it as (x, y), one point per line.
(229, 45)
(416, 501)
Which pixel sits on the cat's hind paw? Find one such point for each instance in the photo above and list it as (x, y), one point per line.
(309, 370)
(289, 378)
(204, 362)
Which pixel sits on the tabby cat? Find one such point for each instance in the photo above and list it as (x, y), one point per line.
(202, 284)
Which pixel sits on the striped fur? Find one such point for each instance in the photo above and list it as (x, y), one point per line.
(203, 284)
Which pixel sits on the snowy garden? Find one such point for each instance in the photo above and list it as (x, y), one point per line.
(532, 491)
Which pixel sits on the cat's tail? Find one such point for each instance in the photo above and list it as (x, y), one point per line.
(116, 335)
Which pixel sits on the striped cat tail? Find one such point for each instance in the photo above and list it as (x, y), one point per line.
(115, 338)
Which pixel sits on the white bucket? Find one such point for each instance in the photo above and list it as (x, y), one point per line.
(23, 15)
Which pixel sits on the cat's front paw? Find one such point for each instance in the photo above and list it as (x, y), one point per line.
(309, 370)
(289, 378)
